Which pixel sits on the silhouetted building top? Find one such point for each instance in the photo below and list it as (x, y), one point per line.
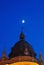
(21, 53)
(22, 48)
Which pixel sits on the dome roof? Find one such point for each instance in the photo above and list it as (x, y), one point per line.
(22, 48)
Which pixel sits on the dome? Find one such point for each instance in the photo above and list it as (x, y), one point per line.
(22, 48)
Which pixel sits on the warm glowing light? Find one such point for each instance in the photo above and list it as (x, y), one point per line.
(24, 63)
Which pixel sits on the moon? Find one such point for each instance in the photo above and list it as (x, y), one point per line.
(23, 21)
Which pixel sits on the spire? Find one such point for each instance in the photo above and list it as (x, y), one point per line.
(22, 30)
(4, 57)
(40, 57)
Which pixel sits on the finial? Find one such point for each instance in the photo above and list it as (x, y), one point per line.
(21, 36)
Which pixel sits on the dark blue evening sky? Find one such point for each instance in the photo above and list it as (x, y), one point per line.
(11, 14)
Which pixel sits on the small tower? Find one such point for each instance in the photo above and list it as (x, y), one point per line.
(40, 57)
(4, 57)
